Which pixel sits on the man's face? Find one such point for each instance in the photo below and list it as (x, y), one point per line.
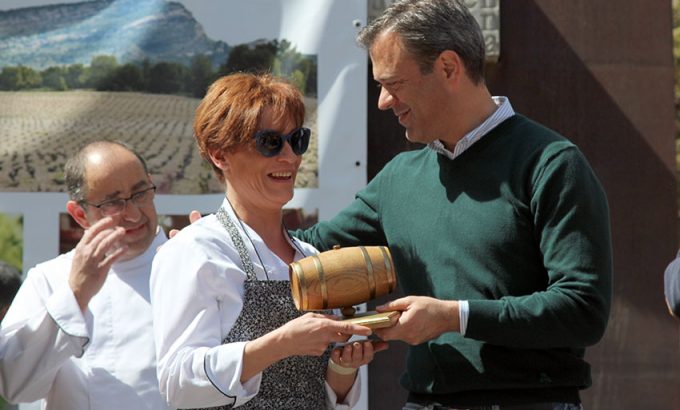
(416, 99)
(117, 173)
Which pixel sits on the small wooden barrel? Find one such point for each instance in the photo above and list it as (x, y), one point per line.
(342, 277)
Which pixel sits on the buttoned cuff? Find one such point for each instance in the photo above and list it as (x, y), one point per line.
(224, 366)
(463, 315)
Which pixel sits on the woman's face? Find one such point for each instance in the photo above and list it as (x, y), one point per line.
(258, 182)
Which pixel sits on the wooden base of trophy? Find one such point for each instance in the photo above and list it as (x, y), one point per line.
(373, 319)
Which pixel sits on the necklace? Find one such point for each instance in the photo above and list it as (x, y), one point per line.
(285, 232)
(291, 239)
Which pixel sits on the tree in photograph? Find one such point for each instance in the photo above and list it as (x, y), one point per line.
(19, 78)
(249, 58)
(101, 68)
(298, 79)
(146, 73)
(167, 78)
(202, 75)
(54, 78)
(11, 238)
(300, 69)
(9, 79)
(310, 69)
(288, 59)
(127, 77)
(76, 76)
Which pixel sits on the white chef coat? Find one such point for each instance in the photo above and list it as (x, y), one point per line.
(102, 359)
(197, 296)
(16, 340)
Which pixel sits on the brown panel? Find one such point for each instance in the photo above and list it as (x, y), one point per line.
(601, 73)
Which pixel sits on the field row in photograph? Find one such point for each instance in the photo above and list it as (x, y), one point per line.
(40, 130)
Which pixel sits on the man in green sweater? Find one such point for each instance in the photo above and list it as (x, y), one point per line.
(499, 229)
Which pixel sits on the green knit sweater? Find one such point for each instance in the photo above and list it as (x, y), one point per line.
(518, 225)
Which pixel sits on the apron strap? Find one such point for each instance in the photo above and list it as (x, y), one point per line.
(236, 238)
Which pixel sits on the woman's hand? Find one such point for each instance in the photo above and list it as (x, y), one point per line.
(307, 335)
(346, 360)
(311, 334)
(356, 354)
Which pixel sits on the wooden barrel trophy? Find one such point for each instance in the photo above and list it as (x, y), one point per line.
(343, 277)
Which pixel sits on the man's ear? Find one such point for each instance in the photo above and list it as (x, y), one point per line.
(217, 157)
(450, 64)
(78, 213)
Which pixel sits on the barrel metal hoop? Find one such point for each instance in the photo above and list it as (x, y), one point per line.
(322, 280)
(369, 268)
(388, 268)
(297, 269)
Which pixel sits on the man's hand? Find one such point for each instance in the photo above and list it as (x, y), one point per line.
(422, 319)
(98, 249)
(193, 217)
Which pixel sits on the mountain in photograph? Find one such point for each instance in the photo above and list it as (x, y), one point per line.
(130, 30)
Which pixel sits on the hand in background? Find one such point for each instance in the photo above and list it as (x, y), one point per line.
(193, 217)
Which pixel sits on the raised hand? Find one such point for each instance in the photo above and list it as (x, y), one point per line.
(98, 249)
(422, 318)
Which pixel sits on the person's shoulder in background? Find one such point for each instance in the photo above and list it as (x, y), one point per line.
(672, 287)
(10, 281)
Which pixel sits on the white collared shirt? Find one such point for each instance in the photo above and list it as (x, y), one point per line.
(102, 359)
(197, 295)
(502, 113)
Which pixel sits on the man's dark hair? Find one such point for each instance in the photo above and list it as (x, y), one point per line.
(429, 27)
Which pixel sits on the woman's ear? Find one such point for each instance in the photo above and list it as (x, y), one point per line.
(218, 158)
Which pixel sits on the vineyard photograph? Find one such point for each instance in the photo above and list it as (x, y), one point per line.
(69, 75)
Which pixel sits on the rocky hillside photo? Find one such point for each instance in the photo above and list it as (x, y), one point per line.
(130, 30)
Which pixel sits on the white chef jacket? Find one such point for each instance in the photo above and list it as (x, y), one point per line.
(102, 359)
(17, 339)
(197, 296)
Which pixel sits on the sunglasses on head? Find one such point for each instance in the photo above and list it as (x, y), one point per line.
(270, 143)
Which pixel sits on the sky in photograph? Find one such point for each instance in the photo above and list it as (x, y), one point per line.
(241, 21)
(16, 4)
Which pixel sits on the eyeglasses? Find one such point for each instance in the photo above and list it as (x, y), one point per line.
(270, 143)
(116, 206)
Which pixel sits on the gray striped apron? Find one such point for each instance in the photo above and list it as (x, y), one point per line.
(296, 382)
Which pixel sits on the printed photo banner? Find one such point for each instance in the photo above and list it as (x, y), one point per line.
(78, 71)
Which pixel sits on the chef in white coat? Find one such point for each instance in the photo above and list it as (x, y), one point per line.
(80, 328)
